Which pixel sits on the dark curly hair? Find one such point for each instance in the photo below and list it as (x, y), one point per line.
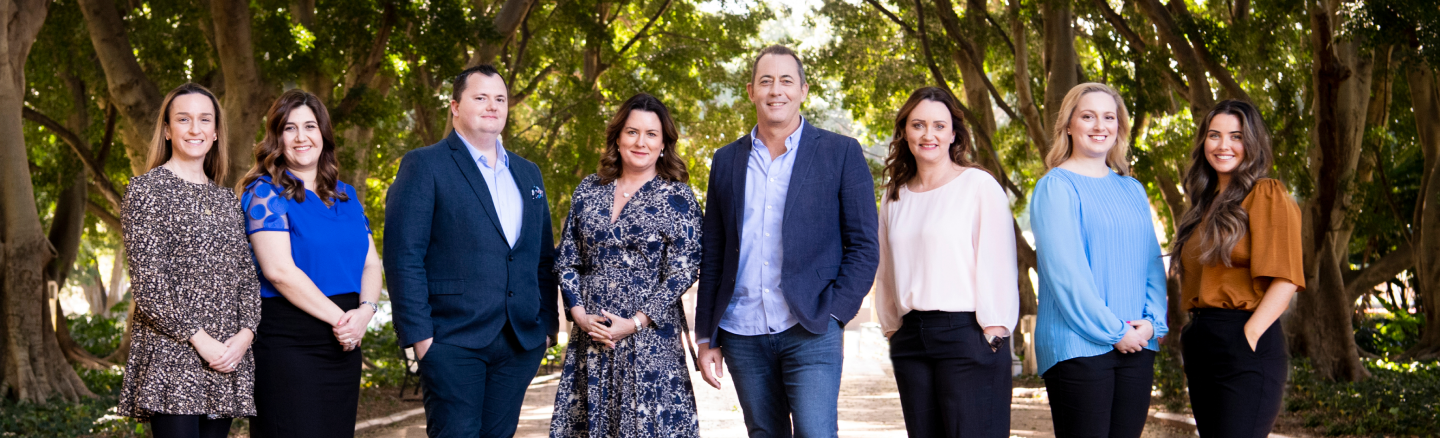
(900, 164)
(270, 152)
(669, 166)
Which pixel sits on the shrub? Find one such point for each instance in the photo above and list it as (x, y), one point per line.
(382, 348)
(97, 334)
(1388, 334)
(1397, 399)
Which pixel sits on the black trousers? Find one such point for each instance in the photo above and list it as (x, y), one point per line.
(951, 384)
(189, 426)
(477, 392)
(1101, 396)
(1234, 391)
(306, 384)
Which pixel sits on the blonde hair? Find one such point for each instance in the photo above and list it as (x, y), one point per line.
(217, 160)
(1061, 147)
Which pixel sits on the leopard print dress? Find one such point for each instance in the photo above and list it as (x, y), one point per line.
(190, 268)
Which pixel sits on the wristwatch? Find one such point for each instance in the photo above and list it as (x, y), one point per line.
(995, 341)
(638, 326)
(373, 307)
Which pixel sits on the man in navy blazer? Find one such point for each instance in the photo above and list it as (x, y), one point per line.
(790, 251)
(468, 258)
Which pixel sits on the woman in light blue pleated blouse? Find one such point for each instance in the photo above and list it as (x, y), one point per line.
(1102, 281)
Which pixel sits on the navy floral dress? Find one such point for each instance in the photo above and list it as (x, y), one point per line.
(643, 262)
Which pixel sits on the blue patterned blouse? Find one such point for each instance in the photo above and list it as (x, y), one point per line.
(328, 243)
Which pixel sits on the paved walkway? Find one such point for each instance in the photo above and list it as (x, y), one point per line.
(869, 404)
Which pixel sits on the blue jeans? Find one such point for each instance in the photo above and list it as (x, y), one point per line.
(791, 374)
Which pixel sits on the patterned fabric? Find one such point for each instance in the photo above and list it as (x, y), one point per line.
(642, 262)
(264, 207)
(328, 243)
(191, 269)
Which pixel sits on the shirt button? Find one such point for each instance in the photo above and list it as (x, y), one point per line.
(767, 234)
(767, 263)
(767, 207)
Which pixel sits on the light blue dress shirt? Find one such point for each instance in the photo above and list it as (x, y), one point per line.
(503, 191)
(758, 306)
(1099, 265)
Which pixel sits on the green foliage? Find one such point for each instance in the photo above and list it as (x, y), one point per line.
(92, 417)
(381, 347)
(1391, 333)
(97, 334)
(1170, 380)
(1398, 399)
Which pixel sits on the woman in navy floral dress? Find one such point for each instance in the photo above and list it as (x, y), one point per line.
(630, 248)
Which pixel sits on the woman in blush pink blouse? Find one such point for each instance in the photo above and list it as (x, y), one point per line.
(946, 288)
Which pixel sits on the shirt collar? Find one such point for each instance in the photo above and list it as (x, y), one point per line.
(475, 153)
(791, 142)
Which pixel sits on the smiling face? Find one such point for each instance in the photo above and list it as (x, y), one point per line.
(302, 139)
(641, 141)
(1094, 125)
(777, 90)
(482, 107)
(1224, 144)
(191, 129)
(929, 132)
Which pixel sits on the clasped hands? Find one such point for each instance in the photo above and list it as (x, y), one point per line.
(605, 328)
(350, 329)
(1137, 336)
(223, 356)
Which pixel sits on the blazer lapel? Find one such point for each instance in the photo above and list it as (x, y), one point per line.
(803, 160)
(524, 184)
(741, 164)
(471, 170)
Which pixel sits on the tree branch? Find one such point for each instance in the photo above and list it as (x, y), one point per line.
(891, 16)
(530, 88)
(1201, 100)
(363, 76)
(1000, 30)
(511, 14)
(1387, 267)
(643, 30)
(1222, 74)
(1137, 43)
(951, 23)
(78, 146)
(109, 219)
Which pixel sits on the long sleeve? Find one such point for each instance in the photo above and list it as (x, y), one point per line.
(682, 253)
(886, 306)
(712, 251)
(858, 219)
(410, 209)
(545, 270)
(1156, 300)
(1055, 218)
(997, 291)
(149, 245)
(567, 258)
(248, 287)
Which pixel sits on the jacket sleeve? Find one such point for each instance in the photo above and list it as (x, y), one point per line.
(546, 270)
(1060, 249)
(682, 254)
(712, 250)
(859, 222)
(149, 244)
(410, 209)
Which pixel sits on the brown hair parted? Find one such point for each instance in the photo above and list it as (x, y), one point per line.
(270, 152)
(217, 160)
(900, 164)
(668, 166)
(1061, 145)
(1225, 220)
(778, 50)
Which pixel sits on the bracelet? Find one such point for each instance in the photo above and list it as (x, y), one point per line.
(373, 307)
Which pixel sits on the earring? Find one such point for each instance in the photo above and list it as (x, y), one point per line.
(662, 155)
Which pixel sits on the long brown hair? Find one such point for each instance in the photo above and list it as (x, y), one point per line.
(1061, 146)
(1224, 218)
(669, 166)
(900, 164)
(270, 152)
(217, 160)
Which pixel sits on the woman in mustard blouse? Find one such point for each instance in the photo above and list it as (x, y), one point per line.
(1240, 263)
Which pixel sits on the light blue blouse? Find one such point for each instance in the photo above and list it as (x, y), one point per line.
(1099, 264)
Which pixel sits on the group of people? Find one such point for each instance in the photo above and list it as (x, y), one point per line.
(787, 246)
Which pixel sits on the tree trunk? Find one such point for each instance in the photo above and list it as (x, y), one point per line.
(1425, 100)
(131, 91)
(1342, 75)
(115, 292)
(33, 368)
(1061, 62)
(506, 22)
(1036, 126)
(246, 97)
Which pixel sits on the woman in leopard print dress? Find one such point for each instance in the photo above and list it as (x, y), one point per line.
(197, 296)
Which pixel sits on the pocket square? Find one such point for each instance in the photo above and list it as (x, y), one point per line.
(536, 192)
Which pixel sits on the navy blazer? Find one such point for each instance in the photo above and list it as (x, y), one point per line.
(451, 272)
(830, 232)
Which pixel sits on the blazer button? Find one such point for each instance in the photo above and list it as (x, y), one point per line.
(512, 258)
(511, 293)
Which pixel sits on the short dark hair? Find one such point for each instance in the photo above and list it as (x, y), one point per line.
(668, 167)
(777, 50)
(459, 83)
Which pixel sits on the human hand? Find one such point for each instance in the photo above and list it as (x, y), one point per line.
(1146, 329)
(1253, 334)
(213, 353)
(593, 325)
(620, 328)
(350, 329)
(422, 347)
(712, 365)
(1132, 342)
(235, 349)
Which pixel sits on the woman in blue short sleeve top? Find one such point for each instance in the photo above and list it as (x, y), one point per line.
(319, 276)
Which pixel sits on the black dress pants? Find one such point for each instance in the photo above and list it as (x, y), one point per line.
(1101, 396)
(306, 384)
(951, 384)
(189, 426)
(1234, 391)
(477, 392)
